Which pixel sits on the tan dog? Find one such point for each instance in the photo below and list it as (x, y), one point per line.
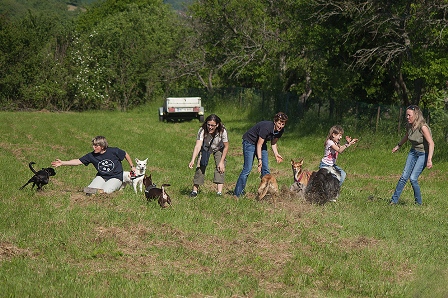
(300, 175)
(268, 186)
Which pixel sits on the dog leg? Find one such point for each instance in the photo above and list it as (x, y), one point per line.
(140, 185)
(134, 184)
(164, 198)
(29, 181)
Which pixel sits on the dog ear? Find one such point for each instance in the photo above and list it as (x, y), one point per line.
(301, 162)
(146, 160)
(292, 161)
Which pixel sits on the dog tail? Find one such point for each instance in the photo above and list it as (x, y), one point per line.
(31, 167)
(263, 194)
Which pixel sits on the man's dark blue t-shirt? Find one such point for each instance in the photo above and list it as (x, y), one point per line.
(263, 129)
(107, 164)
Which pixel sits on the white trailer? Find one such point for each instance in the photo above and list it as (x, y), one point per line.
(181, 108)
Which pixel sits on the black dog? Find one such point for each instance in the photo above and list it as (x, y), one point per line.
(323, 186)
(41, 177)
(152, 192)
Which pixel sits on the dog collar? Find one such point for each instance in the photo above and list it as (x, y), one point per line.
(150, 187)
(135, 177)
(299, 178)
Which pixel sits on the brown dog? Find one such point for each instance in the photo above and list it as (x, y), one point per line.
(300, 175)
(152, 192)
(268, 186)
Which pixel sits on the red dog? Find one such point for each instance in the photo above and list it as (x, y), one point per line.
(300, 175)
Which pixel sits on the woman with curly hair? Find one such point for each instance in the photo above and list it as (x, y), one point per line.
(211, 140)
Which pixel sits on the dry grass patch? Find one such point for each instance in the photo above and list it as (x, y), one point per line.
(9, 251)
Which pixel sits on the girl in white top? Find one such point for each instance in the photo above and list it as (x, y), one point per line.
(333, 148)
(211, 142)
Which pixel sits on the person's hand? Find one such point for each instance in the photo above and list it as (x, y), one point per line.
(191, 164)
(56, 163)
(221, 168)
(279, 158)
(395, 149)
(429, 164)
(350, 140)
(353, 141)
(260, 164)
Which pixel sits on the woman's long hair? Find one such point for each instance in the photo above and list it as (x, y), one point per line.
(337, 129)
(419, 119)
(219, 125)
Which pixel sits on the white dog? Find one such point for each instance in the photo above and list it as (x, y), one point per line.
(136, 180)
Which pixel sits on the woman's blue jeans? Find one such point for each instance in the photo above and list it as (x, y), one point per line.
(415, 164)
(249, 153)
(343, 173)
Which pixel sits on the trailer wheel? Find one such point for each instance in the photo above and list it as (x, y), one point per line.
(161, 118)
(201, 118)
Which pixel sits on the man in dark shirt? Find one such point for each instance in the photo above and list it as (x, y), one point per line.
(254, 145)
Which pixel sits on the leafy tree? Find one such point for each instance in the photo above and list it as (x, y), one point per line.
(232, 37)
(390, 37)
(21, 44)
(129, 46)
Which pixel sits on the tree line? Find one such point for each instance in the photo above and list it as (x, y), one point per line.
(118, 54)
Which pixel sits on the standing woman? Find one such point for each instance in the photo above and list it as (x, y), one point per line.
(254, 145)
(211, 140)
(420, 155)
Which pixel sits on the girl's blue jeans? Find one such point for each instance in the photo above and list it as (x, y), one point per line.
(249, 153)
(343, 173)
(415, 164)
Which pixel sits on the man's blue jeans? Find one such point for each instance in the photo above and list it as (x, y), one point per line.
(249, 153)
(415, 164)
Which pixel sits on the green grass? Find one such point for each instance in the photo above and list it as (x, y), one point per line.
(61, 243)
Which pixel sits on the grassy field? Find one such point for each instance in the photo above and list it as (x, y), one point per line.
(59, 242)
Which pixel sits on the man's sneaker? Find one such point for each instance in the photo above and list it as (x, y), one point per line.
(332, 200)
(219, 193)
(193, 194)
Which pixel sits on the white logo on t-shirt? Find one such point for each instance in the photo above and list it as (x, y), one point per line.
(106, 166)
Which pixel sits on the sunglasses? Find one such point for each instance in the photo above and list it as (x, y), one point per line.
(412, 107)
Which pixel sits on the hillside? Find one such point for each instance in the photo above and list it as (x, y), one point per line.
(19, 8)
(178, 4)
